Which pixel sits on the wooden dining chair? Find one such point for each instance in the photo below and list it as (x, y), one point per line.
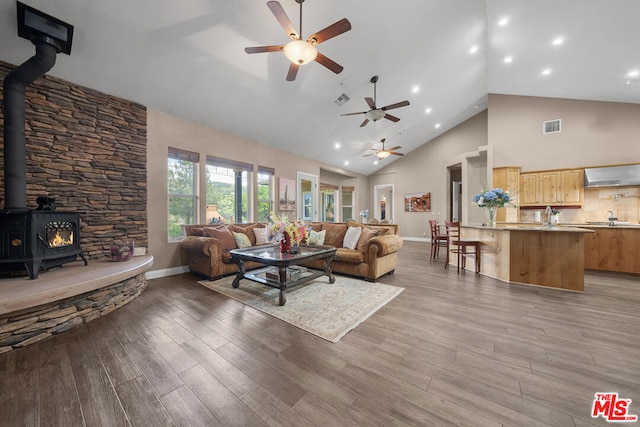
(461, 247)
(437, 239)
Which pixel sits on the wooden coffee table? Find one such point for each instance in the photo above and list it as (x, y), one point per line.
(276, 261)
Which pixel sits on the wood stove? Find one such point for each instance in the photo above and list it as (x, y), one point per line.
(39, 239)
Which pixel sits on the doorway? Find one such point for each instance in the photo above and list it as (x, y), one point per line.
(455, 193)
(307, 196)
(383, 202)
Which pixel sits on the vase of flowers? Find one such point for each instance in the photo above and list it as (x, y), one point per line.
(288, 233)
(364, 214)
(492, 199)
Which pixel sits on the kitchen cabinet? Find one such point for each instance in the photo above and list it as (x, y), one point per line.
(612, 249)
(563, 187)
(508, 178)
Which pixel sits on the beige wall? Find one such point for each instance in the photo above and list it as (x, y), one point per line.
(425, 170)
(593, 133)
(164, 130)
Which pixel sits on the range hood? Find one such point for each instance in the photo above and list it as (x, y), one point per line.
(613, 176)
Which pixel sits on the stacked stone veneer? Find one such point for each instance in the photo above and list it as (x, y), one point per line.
(88, 151)
(30, 326)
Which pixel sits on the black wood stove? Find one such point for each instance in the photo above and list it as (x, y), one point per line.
(42, 238)
(38, 239)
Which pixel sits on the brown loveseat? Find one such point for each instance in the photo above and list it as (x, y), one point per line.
(209, 256)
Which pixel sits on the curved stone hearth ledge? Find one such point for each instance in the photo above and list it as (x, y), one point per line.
(66, 297)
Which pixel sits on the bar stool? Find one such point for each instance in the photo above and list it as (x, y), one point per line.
(437, 239)
(460, 246)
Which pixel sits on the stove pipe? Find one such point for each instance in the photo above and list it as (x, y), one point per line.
(15, 155)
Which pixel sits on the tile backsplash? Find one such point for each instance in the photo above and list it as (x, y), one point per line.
(623, 201)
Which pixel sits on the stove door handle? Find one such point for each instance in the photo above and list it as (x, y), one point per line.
(44, 242)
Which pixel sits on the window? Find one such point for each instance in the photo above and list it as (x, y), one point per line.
(265, 192)
(181, 191)
(227, 190)
(347, 203)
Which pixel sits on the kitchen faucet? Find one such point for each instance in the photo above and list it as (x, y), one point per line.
(548, 212)
(612, 218)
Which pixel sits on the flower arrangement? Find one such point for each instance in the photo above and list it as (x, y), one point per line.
(297, 230)
(364, 213)
(492, 198)
(554, 211)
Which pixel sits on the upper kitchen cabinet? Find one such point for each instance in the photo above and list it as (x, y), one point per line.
(508, 178)
(552, 188)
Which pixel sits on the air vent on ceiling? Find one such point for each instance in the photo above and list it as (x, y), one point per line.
(342, 99)
(551, 126)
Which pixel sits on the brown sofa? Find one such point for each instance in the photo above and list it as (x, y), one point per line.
(376, 257)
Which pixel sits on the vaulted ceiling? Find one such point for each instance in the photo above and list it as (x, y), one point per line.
(444, 56)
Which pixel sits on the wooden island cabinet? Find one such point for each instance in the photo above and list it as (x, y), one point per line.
(544, 256)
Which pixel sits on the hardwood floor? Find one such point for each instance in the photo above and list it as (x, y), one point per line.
(450, 350)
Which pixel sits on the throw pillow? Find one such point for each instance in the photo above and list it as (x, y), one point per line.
(335, 234)
(316, 237)
(196, 231)
(242, 241)
(261, 236)
(351, 237)
(247, 231)
(365, 236)
(223, 234)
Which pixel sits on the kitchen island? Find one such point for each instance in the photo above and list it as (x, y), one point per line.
(532, 254)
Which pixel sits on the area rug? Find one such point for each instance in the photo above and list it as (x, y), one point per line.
(326, 310)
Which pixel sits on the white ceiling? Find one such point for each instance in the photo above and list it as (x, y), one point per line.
(187, 58)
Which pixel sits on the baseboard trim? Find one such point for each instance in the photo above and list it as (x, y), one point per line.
(165, 272)
(416, 239)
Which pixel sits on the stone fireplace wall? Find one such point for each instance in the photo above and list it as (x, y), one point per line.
(88, 150)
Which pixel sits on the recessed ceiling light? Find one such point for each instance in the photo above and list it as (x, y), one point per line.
(346, 163)
(557, 41)
(428, 110)
(437, 125)
(508, 59)
(415, 89)
(503, 21)
(473, 49)
(633, 73)
(375, 162)
(336, 145)
(546, 71)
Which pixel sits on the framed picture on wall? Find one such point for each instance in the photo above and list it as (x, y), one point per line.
(417, 202)
(286, 195)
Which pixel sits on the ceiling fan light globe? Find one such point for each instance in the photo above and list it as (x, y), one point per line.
(383, 154)
(300, 52)
(374, 115)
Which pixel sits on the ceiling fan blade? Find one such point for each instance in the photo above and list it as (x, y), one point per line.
(394, 148)
(283, 19)
(396, 105)
(333, 66)
(353, 114)
(293, 72)
(374, 149)
(397, 154)
(342, 26)
(371, 103)
(364, 123)
(263, 49)
(367, 155)
(392, 118)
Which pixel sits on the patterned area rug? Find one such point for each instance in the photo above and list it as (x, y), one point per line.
(326, 310)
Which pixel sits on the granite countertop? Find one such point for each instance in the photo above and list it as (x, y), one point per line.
(533, 227)
(579, 227)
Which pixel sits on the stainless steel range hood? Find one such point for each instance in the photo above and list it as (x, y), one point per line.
(613, 176)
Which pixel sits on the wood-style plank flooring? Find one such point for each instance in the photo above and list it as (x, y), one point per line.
(451, 349)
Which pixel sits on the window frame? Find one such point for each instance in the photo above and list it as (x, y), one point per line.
(178, 155)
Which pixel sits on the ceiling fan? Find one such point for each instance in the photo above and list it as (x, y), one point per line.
(299, 51)
(376, 113)
(384, 152)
